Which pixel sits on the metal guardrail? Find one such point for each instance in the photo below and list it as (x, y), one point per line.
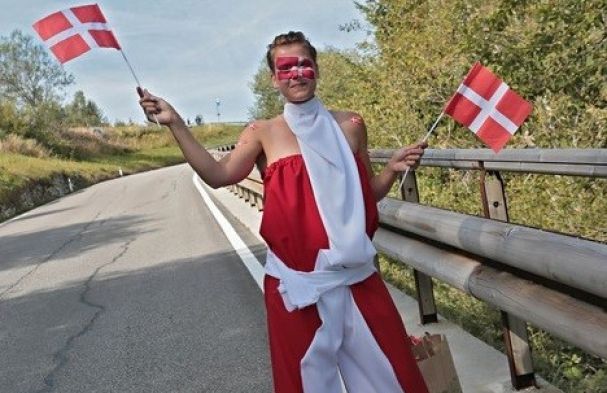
(555, 281)
(251, 188)
(574, 162)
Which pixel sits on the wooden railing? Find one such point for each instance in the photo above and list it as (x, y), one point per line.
(554, 281)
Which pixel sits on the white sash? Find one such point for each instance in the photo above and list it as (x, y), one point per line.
(302, 289)
(335, 181)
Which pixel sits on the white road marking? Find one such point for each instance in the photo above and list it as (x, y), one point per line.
(248, 259)
(16, 218)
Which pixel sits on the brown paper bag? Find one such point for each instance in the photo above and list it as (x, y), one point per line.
(436, 364)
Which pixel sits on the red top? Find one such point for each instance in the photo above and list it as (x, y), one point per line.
(291, 223)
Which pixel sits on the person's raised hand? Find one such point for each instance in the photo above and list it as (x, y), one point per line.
(156, 109)
(407, 157)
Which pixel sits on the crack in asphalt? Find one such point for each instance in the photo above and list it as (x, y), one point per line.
(172, 190)
(60, 357)
(71, 240)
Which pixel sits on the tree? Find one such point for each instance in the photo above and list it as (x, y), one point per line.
(11, 120)
(344, 80)
(268, 102)
(83, 112)
(199, 120)
(27, 74)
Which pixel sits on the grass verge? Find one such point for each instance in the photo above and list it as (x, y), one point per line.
(144, 148)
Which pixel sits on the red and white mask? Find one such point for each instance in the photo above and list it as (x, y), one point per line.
(293, 67)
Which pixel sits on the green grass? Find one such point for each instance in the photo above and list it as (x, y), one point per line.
(142, 148)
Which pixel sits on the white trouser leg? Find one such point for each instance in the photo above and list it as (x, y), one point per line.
(319, 370)
(363, 365)
(346, 346)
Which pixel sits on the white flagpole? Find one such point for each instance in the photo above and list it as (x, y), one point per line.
(423, 140)
(136, 79)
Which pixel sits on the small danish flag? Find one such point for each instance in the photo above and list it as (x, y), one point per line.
(488, 107)
(72, 32)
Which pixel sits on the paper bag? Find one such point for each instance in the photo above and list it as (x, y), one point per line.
(436, 363)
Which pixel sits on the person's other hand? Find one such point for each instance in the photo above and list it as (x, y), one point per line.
(156, 109)
(407, 157)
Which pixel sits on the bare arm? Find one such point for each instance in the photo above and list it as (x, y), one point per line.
(401, 159)
(231, 169)
(407, 157)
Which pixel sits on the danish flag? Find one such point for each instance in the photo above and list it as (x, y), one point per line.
(488, 107)
(72, 32)
(293, 67)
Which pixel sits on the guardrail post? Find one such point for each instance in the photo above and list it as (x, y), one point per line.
(246, 195)
(515, 334)
(423, 282)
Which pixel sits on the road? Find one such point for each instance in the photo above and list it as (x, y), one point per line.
(129, 286)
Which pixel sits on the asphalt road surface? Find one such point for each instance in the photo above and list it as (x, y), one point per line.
(129, 286)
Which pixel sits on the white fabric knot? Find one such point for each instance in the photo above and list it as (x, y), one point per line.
(302, 289)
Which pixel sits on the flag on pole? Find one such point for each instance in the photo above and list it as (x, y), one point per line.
(488, 107)
(74, 31)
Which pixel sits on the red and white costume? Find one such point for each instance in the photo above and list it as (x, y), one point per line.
(329, 313)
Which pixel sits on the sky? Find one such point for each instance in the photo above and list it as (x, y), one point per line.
(189, 52)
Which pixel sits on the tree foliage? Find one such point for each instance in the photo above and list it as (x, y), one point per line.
(27, 74)
(553, 52)
(11, 120)
(31, 97)
(268, 102)
(83, 112)
(344, 80)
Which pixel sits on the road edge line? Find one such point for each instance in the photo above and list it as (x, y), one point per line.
(246, 256)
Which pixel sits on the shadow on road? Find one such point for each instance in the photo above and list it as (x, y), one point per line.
(23, 249)
(186, 325)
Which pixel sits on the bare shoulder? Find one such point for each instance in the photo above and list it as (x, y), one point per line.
(353, 126)
(277, 121)
(349, 121)
(257, 126)
(276, 127)
(253, 131)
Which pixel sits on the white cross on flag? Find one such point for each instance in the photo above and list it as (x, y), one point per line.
(488, 107)
(72, 32)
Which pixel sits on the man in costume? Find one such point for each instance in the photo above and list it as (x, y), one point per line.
(330, 317)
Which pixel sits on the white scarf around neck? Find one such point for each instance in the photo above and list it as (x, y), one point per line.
(335, 182)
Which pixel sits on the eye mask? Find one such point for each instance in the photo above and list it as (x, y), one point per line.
(292, 67)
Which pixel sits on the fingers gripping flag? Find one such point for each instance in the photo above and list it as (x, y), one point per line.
(72, 32)
(488, 107)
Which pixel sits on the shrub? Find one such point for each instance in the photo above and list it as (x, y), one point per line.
(28, 147)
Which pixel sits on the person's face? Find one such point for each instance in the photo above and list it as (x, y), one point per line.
(295, 72)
